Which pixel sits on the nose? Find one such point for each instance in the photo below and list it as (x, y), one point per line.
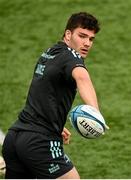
(87, 42)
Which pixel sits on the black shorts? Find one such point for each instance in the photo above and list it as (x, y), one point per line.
(30, 155)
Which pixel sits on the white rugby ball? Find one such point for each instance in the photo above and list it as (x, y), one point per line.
(87, 121)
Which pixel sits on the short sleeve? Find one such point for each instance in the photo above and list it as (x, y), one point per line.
(72, 61)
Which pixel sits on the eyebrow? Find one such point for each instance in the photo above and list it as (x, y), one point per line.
(86, 35)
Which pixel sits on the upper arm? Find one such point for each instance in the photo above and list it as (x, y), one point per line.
(80, 73)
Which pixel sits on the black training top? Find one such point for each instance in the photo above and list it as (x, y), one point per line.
(51, 92)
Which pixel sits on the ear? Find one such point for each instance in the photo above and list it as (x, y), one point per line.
(67, 34)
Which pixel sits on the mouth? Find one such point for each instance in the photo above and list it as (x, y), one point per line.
(84, 51)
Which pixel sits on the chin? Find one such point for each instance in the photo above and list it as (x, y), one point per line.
(83, 56)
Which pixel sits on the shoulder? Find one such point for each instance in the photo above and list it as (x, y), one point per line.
(72, 55)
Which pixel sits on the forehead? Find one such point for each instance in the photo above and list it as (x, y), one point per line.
(87, 32)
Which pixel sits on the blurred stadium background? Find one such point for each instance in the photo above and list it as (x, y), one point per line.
(27, 27)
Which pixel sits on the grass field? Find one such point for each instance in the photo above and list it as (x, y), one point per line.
(27, 27)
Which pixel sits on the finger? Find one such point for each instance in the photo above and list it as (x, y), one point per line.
(103, 133)
(66, 131)
(66, 141)
(107, 127)
(65, 137)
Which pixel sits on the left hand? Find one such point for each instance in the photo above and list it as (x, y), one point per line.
(66, 135)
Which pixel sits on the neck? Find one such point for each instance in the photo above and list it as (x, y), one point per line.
(65, 41)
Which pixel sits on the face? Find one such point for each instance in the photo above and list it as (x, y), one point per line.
(80, 39)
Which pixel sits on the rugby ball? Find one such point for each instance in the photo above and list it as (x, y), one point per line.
(87, 121)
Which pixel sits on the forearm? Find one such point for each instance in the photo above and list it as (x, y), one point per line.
(85, 86)
(87, 92)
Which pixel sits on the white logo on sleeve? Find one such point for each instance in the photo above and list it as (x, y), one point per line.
(75, 54)
(40, 69)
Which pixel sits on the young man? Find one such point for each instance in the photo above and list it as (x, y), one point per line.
(33, 147)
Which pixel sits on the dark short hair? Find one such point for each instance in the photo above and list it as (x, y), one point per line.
(83, 20)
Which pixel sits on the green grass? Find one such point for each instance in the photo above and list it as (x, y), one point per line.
(27, 27)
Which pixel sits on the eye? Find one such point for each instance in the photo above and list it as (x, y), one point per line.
(82, 36)
(92, 39)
